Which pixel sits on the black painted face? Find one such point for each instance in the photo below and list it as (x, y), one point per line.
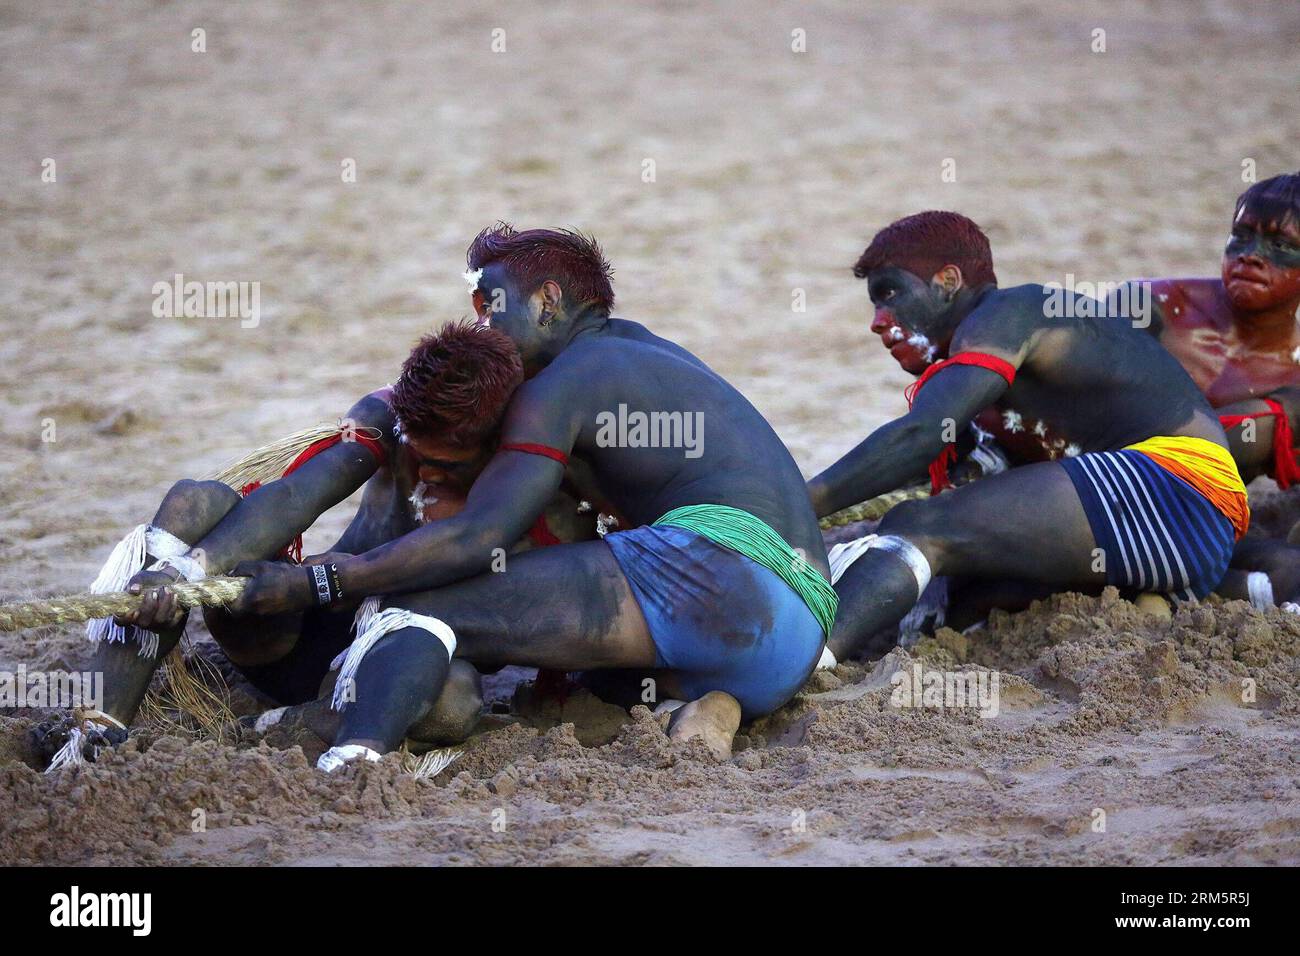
(911, 316)
(1261, 263)
(499, 303)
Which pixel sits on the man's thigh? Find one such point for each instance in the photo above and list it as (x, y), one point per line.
(566, 607)
(1026, 523)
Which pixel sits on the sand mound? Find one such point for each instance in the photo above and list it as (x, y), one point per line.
(1103, 709)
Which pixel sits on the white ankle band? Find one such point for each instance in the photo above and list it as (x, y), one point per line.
(910, 554)
(338, 757)
(98, 715)
(386, 621)
(1260, 590)
(268, 719)
(827, 661)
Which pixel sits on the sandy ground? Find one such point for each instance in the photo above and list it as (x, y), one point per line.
(772, 168)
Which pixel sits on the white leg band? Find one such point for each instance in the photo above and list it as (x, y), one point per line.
(1260, 589)
(161, 543)
(386, 621)
(843, 555)
(910, 554)
(337, 757)
(191, 570)
(125, 561)
(827, 662)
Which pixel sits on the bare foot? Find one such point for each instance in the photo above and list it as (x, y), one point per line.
(714, 718)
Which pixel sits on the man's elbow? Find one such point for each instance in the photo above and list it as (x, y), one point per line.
(927, 436)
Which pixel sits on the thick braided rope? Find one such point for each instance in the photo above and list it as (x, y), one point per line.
(874, 509)
(77, 608)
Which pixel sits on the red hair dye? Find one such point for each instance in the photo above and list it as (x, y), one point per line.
(925, 243)
(456, 384)
(535, 255)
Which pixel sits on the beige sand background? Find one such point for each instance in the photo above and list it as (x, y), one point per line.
(772, 169)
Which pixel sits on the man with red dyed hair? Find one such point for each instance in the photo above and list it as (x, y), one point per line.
(419, 446)
(718, 593)
(1144, 495)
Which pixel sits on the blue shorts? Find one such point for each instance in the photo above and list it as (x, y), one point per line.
(1158, 533)
(720, 620)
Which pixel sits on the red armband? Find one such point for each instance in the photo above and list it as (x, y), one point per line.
(939, 467)
(980, 359)
(528, 448)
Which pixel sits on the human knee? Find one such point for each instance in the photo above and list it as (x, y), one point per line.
(922, 524)
(192, 507)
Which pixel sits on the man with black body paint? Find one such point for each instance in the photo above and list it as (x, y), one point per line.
(1131, 517)
(735, 628)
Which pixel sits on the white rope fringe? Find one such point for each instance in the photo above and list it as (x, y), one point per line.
(69, 755)
(386, 621)
(431, 764)
(124, 562)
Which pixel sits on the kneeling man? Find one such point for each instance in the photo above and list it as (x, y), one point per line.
(719, 589)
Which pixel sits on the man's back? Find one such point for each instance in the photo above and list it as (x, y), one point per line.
(1098, 382)
(661, 430)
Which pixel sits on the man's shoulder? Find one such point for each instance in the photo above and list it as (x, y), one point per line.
(375, 409)
(1190, 302)
(1005, 316)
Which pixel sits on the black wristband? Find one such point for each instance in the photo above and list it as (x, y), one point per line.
(325, 582)
(336, 583)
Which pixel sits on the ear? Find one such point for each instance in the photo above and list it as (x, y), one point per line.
(950, 279)
(552, 297)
